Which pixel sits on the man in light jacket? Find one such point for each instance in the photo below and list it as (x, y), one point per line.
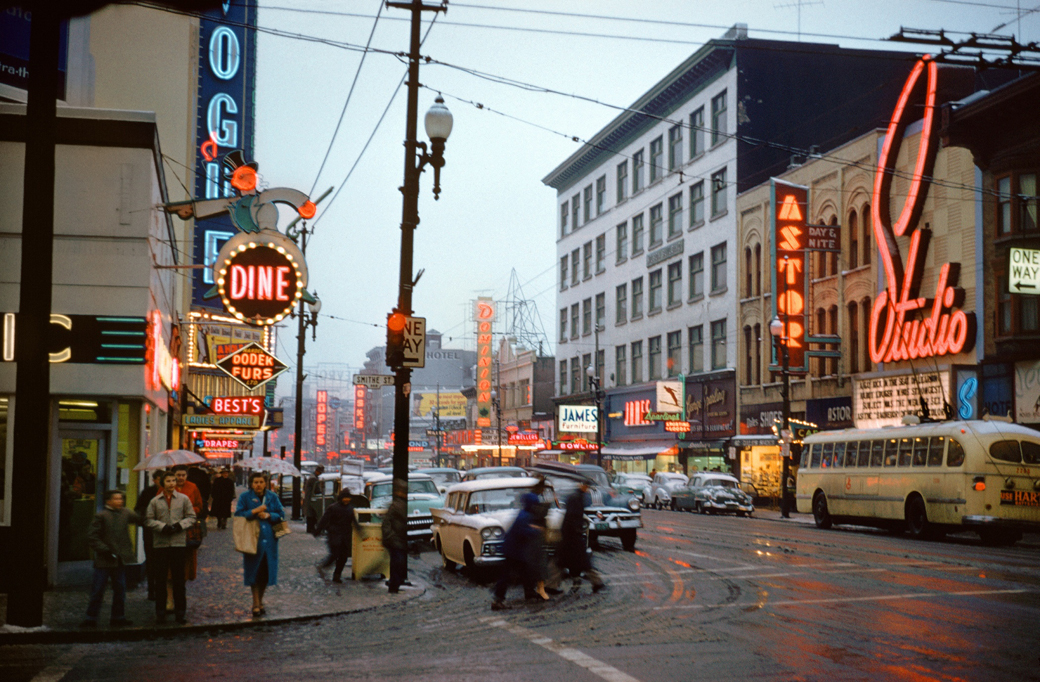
(109, 538)
(170, 514)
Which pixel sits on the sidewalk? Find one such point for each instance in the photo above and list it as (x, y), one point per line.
(217, 598)
(774, 515)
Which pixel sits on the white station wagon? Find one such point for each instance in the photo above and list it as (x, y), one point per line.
(469, 530)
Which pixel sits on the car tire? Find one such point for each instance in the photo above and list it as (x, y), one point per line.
(671, 505)
(741, 514)
(700, 508)
(448, 563)
(628, 539)
(467, 555)
(916, 516)
(821, 515)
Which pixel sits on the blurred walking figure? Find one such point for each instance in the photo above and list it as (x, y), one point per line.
(261, 569)
(520, 557)
(537, 561)
(170, 515)
(110, 540)
(573, 556)
(338, 523)
(223, 495)
(309, 486)
(141, 508)
(395, 535)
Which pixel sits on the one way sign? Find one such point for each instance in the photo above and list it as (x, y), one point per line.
(1024, 271)
(415, 342)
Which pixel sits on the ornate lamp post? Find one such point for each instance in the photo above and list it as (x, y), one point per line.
(778, 329)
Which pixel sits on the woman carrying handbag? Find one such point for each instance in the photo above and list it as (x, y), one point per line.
(260, 569)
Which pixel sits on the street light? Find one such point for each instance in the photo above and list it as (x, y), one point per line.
(306, 320)
(778, 329)
(498, 413)
(598, 396)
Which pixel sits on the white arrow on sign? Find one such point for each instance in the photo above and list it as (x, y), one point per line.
(374, 380)
(1023, 271)
(414, 342)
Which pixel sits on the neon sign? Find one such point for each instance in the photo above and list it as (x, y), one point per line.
(252, 366)
(237, 405)
(896, 333)
(790, 204)
(635, 413)
(484, 313)
(259, 283)
(360, 393)
(321, 420)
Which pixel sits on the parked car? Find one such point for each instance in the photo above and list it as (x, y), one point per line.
(423, 496)
(443, 477)
(632, 484)
(607, 514)
(713, 493)
(659, 494)
(481, 473)
(470, 528)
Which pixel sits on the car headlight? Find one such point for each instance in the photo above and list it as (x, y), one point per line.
(491, 533)
(633, 504)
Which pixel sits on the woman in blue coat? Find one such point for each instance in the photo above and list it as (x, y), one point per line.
(261, 569)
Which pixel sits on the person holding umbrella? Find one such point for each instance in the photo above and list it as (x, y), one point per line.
(260, 570)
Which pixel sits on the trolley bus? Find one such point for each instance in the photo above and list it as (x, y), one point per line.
(928, 479)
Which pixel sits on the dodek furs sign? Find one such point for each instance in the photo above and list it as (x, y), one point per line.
(904, 325)
(252, 366)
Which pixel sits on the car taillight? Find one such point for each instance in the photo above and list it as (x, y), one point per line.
(979, 483)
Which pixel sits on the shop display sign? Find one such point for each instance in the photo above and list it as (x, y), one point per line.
(711, 407)
(237, 405)
(580, 444)
(830, 413)
(260, 283)
(790, 205)
(321, 422)
(884, 401)
(670, 397)
(579, 418)
(223, 421)
(635, 412)
(484, 316)
(221, 443)
(757, 420)
(446, 404)
(252, 366)
(1027, 392)
(675, 426)
(360, 398)
(88, 339)
(213, 337)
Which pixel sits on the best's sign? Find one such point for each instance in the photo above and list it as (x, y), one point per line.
(579, 418)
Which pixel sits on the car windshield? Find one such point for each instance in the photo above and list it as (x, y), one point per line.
(720, 483)
(482, 501)
(497, 474)
(599, 477)
(422, 486)
(444, 476)
(634, 480)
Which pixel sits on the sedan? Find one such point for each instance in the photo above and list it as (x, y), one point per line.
(659, 494)
(632, 484)
(714, 493)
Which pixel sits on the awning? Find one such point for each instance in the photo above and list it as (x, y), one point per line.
(639, 450)
(748, 441)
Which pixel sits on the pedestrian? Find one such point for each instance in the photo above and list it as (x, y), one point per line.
(170, 515)
(537, 561)
(223, 495)
(141, 509)
(200, 477)
(110, 540)
(186, 487)
(573, 556)
(309, 486)
(338, 522)
(395, 535)
(260, 570)
(516, 548)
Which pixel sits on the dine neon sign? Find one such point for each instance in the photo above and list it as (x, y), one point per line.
(895, 331)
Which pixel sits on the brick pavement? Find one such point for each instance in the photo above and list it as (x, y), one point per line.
(217, 598)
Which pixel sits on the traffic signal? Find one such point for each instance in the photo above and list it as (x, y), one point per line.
(395, 323)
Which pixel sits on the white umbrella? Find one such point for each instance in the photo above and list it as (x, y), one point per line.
(269, 464)
(169, 458)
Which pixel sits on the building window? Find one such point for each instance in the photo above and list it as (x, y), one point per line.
(656, 154)
(586, 362)
(601, 309)
(574, 321)
(575, 210)
(864, 311)
(718, 118)
(563, 219)
(718, 268)
(832, 329)
(575, 264)
(656, 225)
(586, 260)
(563, 325)
(758, 353)
(600, 361)
(637, 362)
(675, 283)
(620, 365)
(655, 292)
(718, 344)
(563, 377)
(1004, 208)
(1017, 203)
(1027, 202)
(601, 252)
(675, 224)
(853, 240)
(696, 336)
(621, 307)
(637, 171)
(758, 269)
(697, 132)
(601, 194)
(867, 232)
(696, 204)
(853, 338)
(748, 367)
(587, 192)
(749, 277)
(821, 329)
(621, 250)
(637, 298)
(718, 193)
(622, 181)
(674, 363)
(674, 147)
(586, 317)
(563, 273)
(654, 356)
(576, 374)
(696, 275)
(637, 234)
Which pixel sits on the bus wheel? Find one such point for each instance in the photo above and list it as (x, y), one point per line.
(820, 513)
(917, 519)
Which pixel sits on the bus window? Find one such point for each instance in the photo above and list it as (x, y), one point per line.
(920, 451)
(828, 453)
(1030, 452)
(935, 451)
(906, 446)
(864, 453)
(891, 450)
(851, 451)
(955, 456)
(805, 457)
(816, 450)
(1006, 451)
(877, 451)
(839, 454)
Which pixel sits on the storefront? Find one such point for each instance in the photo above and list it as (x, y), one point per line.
(711, 410)
(634, 444)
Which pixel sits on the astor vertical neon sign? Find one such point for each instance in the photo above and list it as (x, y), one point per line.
(790, 208)
(484, 316)
(896, 332)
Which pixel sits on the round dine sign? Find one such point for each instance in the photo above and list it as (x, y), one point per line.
(260, 277)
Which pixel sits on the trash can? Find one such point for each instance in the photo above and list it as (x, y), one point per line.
(370, 557)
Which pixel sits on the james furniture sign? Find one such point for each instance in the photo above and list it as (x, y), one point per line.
(578, 418)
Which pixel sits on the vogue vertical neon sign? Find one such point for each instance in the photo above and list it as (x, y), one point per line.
(896, 331)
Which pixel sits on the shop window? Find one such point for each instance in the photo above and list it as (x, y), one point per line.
(853, 240)
(853, 338)
(674, 353)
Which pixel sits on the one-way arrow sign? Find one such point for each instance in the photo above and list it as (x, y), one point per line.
(1024, 271)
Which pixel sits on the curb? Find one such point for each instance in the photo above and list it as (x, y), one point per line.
(169, 632)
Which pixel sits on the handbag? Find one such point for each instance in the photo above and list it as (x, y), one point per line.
(246, 533)
(193, 538)
(281, 529)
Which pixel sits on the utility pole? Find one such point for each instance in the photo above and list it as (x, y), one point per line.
(301, 350)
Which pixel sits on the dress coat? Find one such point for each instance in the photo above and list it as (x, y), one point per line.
(222, 497)
(266, 543)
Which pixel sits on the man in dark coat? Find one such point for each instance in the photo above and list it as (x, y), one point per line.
(395, 535)
(309, 486)
(223, 494)
(200, 477)
(516, 548)
(141, 508)
(109, 538)
(338, 523)
(572, 547)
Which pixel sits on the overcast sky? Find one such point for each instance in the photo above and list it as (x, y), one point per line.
(494, 214)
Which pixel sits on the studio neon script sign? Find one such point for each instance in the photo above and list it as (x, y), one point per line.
(897, 330)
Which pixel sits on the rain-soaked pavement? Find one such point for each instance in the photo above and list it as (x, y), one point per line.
(703, 598)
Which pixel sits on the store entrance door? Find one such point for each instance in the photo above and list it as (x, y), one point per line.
(84, 467)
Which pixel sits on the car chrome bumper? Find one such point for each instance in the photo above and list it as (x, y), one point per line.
(722, 506)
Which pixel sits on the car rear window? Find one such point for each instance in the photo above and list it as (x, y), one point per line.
(1006, 451)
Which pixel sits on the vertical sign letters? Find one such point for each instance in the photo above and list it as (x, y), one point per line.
(790, 206)
(484, 315)
(321, 423)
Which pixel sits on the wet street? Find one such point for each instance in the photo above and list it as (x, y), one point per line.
(703, 598)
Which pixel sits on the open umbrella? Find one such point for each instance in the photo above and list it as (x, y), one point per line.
(169, 458)
(269, 464)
